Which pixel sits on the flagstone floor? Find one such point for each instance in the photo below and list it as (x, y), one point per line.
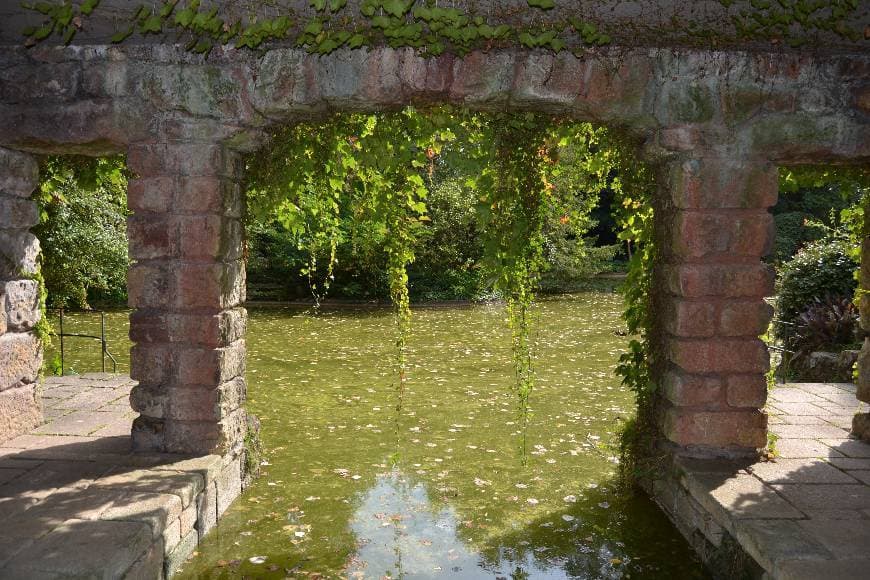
(75, 501)
(806, 514)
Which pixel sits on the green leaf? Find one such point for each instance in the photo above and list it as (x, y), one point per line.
(152, 24)
(184, 17)
(167, 8)
(64, 15)
(43, 32)
(122, 35)
(327, 46)
(203, 46)
(88, 6)
(542, 4)
(396, 8)
(313, 28)
(557, 44)
(381, 22)
(69, 34)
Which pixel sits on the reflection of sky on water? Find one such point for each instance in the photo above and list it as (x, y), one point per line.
(400, 536)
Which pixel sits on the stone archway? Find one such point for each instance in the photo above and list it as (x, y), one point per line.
(716, 123)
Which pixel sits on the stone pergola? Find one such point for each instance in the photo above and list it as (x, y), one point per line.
(717, 124)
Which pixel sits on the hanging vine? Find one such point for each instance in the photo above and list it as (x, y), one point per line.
(513, 190)
(375, 168)
(372, 166)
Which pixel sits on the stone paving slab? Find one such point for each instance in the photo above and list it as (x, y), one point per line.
(805, 514)
(825, 569)
(76, 502)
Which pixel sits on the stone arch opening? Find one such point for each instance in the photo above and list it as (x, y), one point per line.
(715, 141)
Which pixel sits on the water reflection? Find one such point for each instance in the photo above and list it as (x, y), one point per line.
(323, 388)
(401, 534)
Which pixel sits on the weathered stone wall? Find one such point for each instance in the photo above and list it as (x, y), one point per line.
(719, 122)
(20, 348)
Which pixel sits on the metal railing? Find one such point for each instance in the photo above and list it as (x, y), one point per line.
(104, 350)
(782, 372)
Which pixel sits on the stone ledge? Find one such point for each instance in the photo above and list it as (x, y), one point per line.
(107, 517)
(804, 515)
(80, 503)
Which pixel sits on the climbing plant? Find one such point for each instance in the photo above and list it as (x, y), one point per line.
(374, 165)
(513, 190)
(431, 28)
(378, 169)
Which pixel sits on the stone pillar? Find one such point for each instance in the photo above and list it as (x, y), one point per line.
(186, 286)
(716, 228)
(20, 348)
(861, 422)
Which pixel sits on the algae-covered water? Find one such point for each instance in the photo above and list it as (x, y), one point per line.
(459, 503)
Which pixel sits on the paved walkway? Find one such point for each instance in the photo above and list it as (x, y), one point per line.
(805, 515)
(76, 502)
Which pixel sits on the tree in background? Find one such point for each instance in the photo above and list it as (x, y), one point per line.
(819, 230)
(811, 201)
(83, 230)
(448, 246)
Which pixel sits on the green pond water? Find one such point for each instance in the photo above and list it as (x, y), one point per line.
(459, 503)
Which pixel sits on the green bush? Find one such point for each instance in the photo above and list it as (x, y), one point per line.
(821, 269)
(794, 229)
(83, 230)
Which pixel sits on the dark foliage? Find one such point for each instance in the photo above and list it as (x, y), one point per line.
(829, 324)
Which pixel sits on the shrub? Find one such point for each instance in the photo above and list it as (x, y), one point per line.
(83, 230)
(794, 229)
(822, 268)
(827, 325)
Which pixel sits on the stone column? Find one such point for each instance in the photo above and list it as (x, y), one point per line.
(186, 286)
(716, 228)
(861, 422)
(20, 348)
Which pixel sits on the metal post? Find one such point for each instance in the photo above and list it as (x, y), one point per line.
(61, 342)
(103, 340)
